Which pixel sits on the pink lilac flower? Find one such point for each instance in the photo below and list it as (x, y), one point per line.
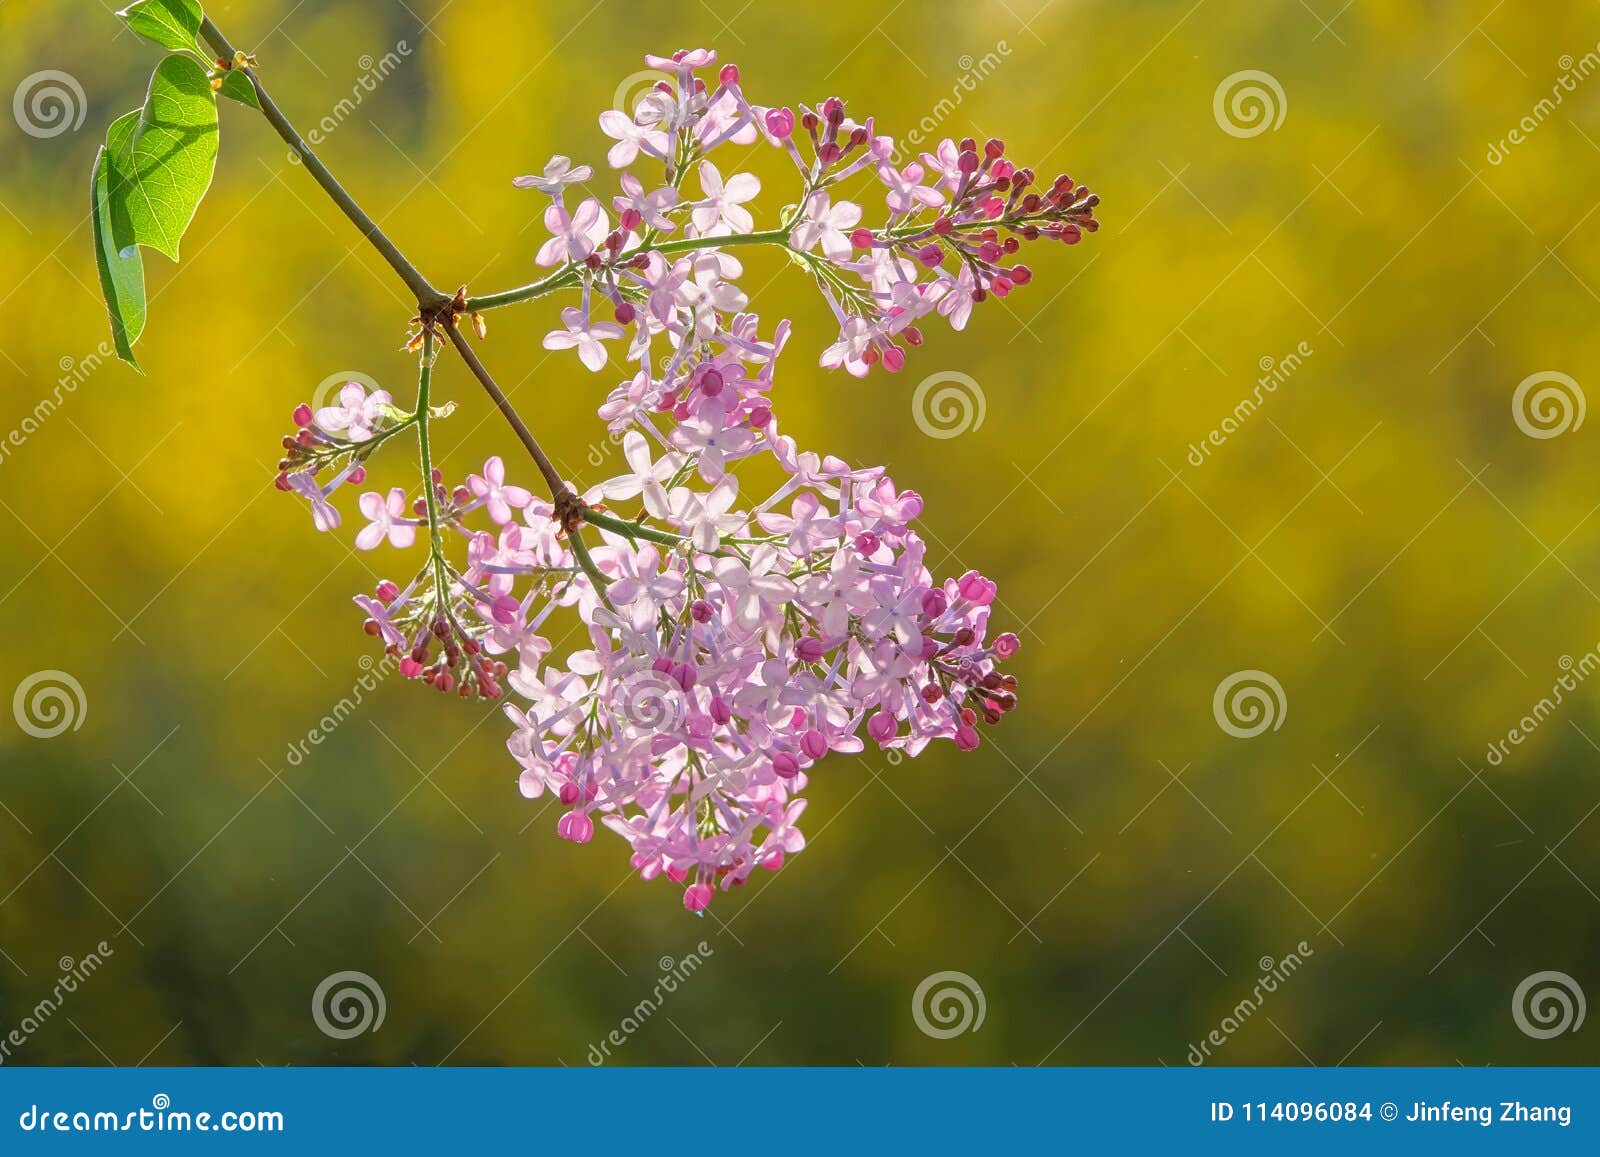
(721, 209)
(387, 515)
(573, 236)
(649, 209)
(769, 605)
(558, 174)
(583, 335)
(824, 224)
(490, 488)
(358, 414)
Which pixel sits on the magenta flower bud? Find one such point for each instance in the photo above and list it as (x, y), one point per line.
(930, 647)
(720, 711)
(302, 415)
(505, 609)
(1006, 646)
(1002, 170)
(912, 334)
(702, 611)
(881, 726)
(697, 898)
(814, 744)
(931, 255)
(943, 226)
(894, 359)
(1000, 286)
(861, 238)
(1021, 274)
(932, 693)
(780, 123)
(785, 766)
(625, 312)
(760, 416)
(663, 664)
(630, 219)
(568, 793)
(967, 737)
(975, 587)
(410, 668)
(809, 650)
(934, 604)
(729, 74)
(282, 482)
(357, 476)
(867, 543)
(579, 828)
(828, 153)
(684, 675)
(967, 162)
(711, 382)
(994, 148)
(387, 592)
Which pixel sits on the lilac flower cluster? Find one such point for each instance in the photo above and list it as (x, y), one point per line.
(750, 606)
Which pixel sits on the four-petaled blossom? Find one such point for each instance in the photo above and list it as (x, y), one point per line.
(825, 224)
(490, 487)
(583, 335)
(388, 520)
(557, 175)
(651, 207)
(358, 414)
(631, 137)
(573, 236)
(721, 211)
(906, 190)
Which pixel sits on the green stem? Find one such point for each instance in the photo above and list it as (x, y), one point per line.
(568, 274)
(631, 529)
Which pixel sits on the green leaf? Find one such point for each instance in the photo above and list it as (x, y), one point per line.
(121, 277)
(164, 167)
(172, 24)
(236, 85)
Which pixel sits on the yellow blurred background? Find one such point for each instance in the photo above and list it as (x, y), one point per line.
(1114, 869)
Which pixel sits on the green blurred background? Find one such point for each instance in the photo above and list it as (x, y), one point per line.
(1380, 536)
